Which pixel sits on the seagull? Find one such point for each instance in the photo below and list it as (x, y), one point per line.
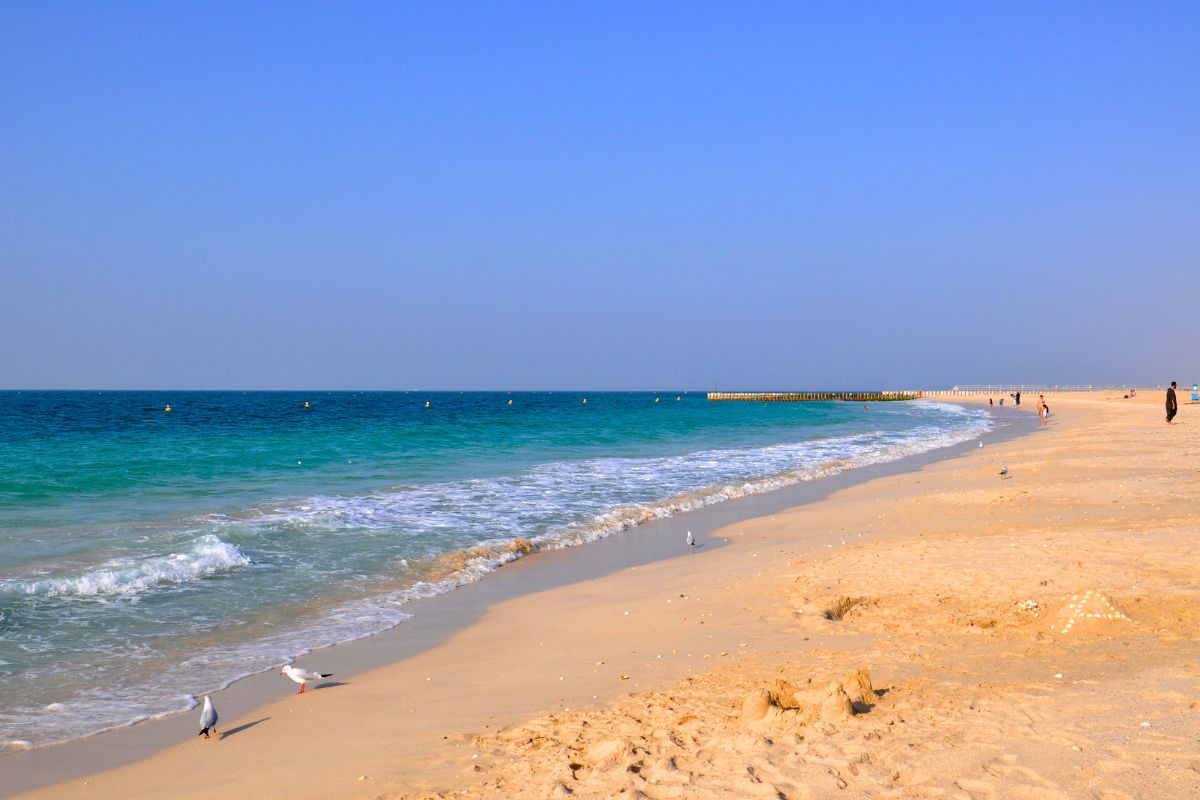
(1003, 473)
(208, 718)
(981, 443)
(691, 540)
(303, 676)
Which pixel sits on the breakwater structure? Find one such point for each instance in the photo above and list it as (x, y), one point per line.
(794, 397)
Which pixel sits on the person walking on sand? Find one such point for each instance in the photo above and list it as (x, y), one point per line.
(1172, 404)
(1018, 398)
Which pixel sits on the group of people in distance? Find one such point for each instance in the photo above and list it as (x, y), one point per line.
(1014, 396)
(1042, 409)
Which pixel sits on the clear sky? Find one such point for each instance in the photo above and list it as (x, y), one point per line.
(597, 195)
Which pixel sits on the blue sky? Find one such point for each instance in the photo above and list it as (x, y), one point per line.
(607, 195)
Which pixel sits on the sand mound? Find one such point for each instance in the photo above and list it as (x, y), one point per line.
(783, 702)
(607, 753)
(1089, 609)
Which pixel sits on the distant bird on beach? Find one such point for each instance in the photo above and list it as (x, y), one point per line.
(981, 443)
(1003, 473)
(303, 676)
(208, 718)
(691, 540)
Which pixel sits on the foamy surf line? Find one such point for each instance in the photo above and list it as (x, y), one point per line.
(125, 576)
(121, 707)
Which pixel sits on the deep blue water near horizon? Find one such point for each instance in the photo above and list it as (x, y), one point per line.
(164, 554)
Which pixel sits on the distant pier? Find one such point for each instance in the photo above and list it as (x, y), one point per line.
(795, 397)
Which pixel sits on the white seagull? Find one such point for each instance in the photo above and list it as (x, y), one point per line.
(1003, 473)
(208, 718)
(303, 676)
(691, 540)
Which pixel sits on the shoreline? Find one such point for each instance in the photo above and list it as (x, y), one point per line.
(437, 619)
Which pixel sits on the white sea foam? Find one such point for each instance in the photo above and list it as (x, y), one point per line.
(127, 576)
(506, 507)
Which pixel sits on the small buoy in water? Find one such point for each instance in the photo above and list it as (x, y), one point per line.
(677, 398)
(585, 401)
(510, 402)
(427, 404)
(656, 399)
(306, 404)
(168, 408)
(297, 463)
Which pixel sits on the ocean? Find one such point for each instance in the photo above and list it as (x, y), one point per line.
(149, 556)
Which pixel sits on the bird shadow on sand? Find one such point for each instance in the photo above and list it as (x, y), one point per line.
(330, 684)
(241, 728)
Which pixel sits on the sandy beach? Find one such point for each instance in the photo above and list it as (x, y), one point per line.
(943, 632)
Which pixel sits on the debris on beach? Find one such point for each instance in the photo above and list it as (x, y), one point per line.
(1031, 607)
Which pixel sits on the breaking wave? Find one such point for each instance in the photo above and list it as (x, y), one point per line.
(123, 576)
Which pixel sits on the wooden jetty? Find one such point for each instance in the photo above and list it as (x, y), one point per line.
(795, 397)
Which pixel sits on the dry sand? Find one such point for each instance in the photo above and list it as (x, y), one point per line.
(940, 633)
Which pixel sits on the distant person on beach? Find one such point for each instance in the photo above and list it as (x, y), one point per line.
(1044, 411)
(991, 402)
(1001, 401)
(1133, 392)
(1017, 397)
(1172, 404)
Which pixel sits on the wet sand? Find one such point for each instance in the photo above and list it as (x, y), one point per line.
(951, 586)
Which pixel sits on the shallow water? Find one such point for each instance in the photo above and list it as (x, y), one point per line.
(149, 556)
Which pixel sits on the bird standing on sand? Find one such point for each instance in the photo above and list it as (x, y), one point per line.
(691, 540)
(303, 676)
(1003, 473)
(208, 718)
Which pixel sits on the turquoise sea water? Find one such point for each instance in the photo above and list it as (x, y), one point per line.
(149, 556)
